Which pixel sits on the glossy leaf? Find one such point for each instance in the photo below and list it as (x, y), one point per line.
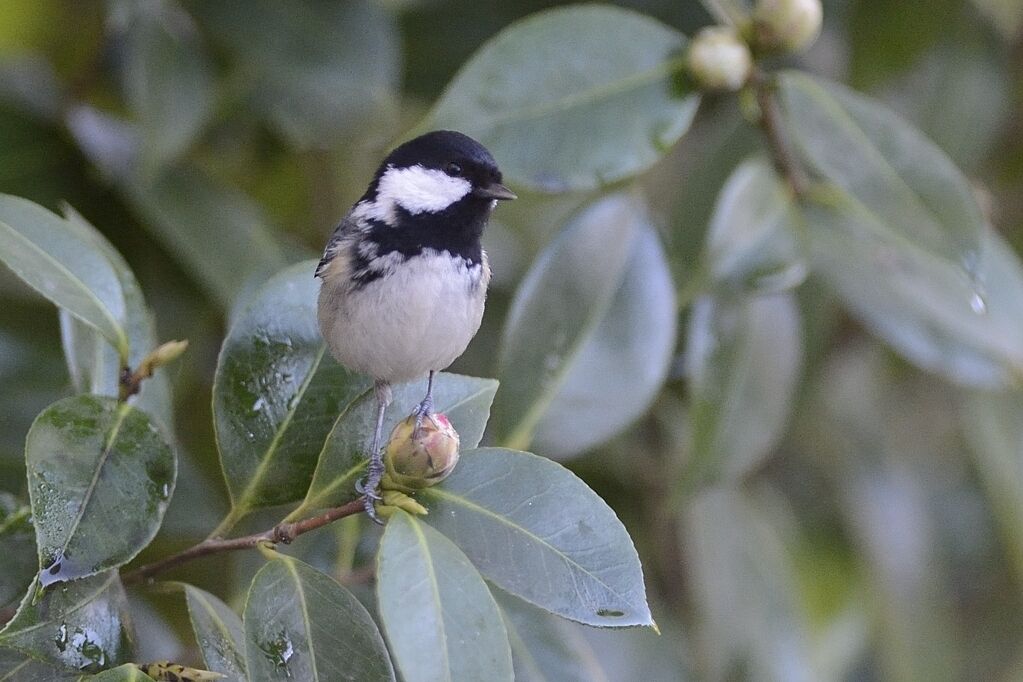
(622, 364)
(301, 625)
(753, 239)
(219, 633)
(318, 69)
(465, 400)
(93, 364)
(546, 648)
(61, 265)
(17, 667)
(95, 465)
(18, 541)
(743, 362)
(557, 308)
(441, 620)
(924, 306)
(745, 591)
(535, 530)
(79, 624)
(129, 672)
(167, 77)
(616, 82)
(277, 393)
(886, 164)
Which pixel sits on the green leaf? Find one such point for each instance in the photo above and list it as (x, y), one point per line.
(743, 363)
(885, 163)
(924, 306)
(537, 531)
(752, 241)
(95, 465)
(219, 633)
(993, 425)
(616, 81)
(220, 235)
(557, 308)
(622, 364)
(441, 620)
(277, 393)
(1005, 15)
(744, 588)
(129, 672)
(301, 625)
(546, 648)
(167, 77)
(317, 70)
(17, 667)
(18, 541)
(40, 248)
(94, 366)
(465, 400)
(79, 624)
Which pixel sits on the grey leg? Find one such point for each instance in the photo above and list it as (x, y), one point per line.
(376, 462)
(424, 410)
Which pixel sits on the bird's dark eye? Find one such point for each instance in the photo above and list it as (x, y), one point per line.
(453, 169)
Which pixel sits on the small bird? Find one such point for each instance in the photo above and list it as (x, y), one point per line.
(404, 276)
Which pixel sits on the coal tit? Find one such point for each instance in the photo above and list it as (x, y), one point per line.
(404, 276)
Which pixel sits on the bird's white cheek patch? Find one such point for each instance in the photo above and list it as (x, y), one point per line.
(420, 190)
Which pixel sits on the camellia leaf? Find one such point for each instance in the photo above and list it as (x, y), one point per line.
(441, 620)
(926, 307)
(623, 362)
(465, 401)
(546, 648)
(168, 79)
(558, 305)
(129, 672)
(301, 625)
(79, 624)
(537, 531)
(17, 667)
(616, 81)
(70, 271)
(93, 364)
(743, 363)
(277, 393)
(95, 465)
(752, 241)
(219, 633)
(887, 165)
(319, 69)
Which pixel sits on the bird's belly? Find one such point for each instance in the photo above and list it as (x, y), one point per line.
(418, 318)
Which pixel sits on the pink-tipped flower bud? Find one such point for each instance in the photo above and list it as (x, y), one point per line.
(425, 460)
(786, 25)
(718, 59)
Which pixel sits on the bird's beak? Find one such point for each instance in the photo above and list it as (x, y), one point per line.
(494, 191)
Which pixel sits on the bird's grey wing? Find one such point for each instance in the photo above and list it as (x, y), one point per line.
(345, 230)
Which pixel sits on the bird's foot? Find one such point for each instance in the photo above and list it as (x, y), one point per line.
(422, 412)
(369, 486)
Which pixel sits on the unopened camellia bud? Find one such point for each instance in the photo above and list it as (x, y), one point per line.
(424, 460)
(786, 25)
(718, 59)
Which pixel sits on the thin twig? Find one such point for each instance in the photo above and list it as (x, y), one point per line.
(774, 130)
(281, 533)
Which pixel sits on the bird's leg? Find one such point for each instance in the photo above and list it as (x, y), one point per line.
(376, 462)
(424, 410)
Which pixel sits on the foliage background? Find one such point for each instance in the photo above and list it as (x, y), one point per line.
(868, 523)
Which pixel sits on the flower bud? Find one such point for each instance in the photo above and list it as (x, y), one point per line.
(786, 25)
(424, 461)
(718, 59)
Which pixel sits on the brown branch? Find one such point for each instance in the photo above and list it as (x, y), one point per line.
(284, 533)
(774, 130)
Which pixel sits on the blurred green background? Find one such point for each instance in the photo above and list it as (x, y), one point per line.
(874, 529)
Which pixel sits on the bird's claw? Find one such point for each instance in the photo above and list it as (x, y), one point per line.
(422, 412)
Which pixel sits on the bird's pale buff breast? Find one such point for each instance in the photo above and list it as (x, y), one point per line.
(419, 317)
